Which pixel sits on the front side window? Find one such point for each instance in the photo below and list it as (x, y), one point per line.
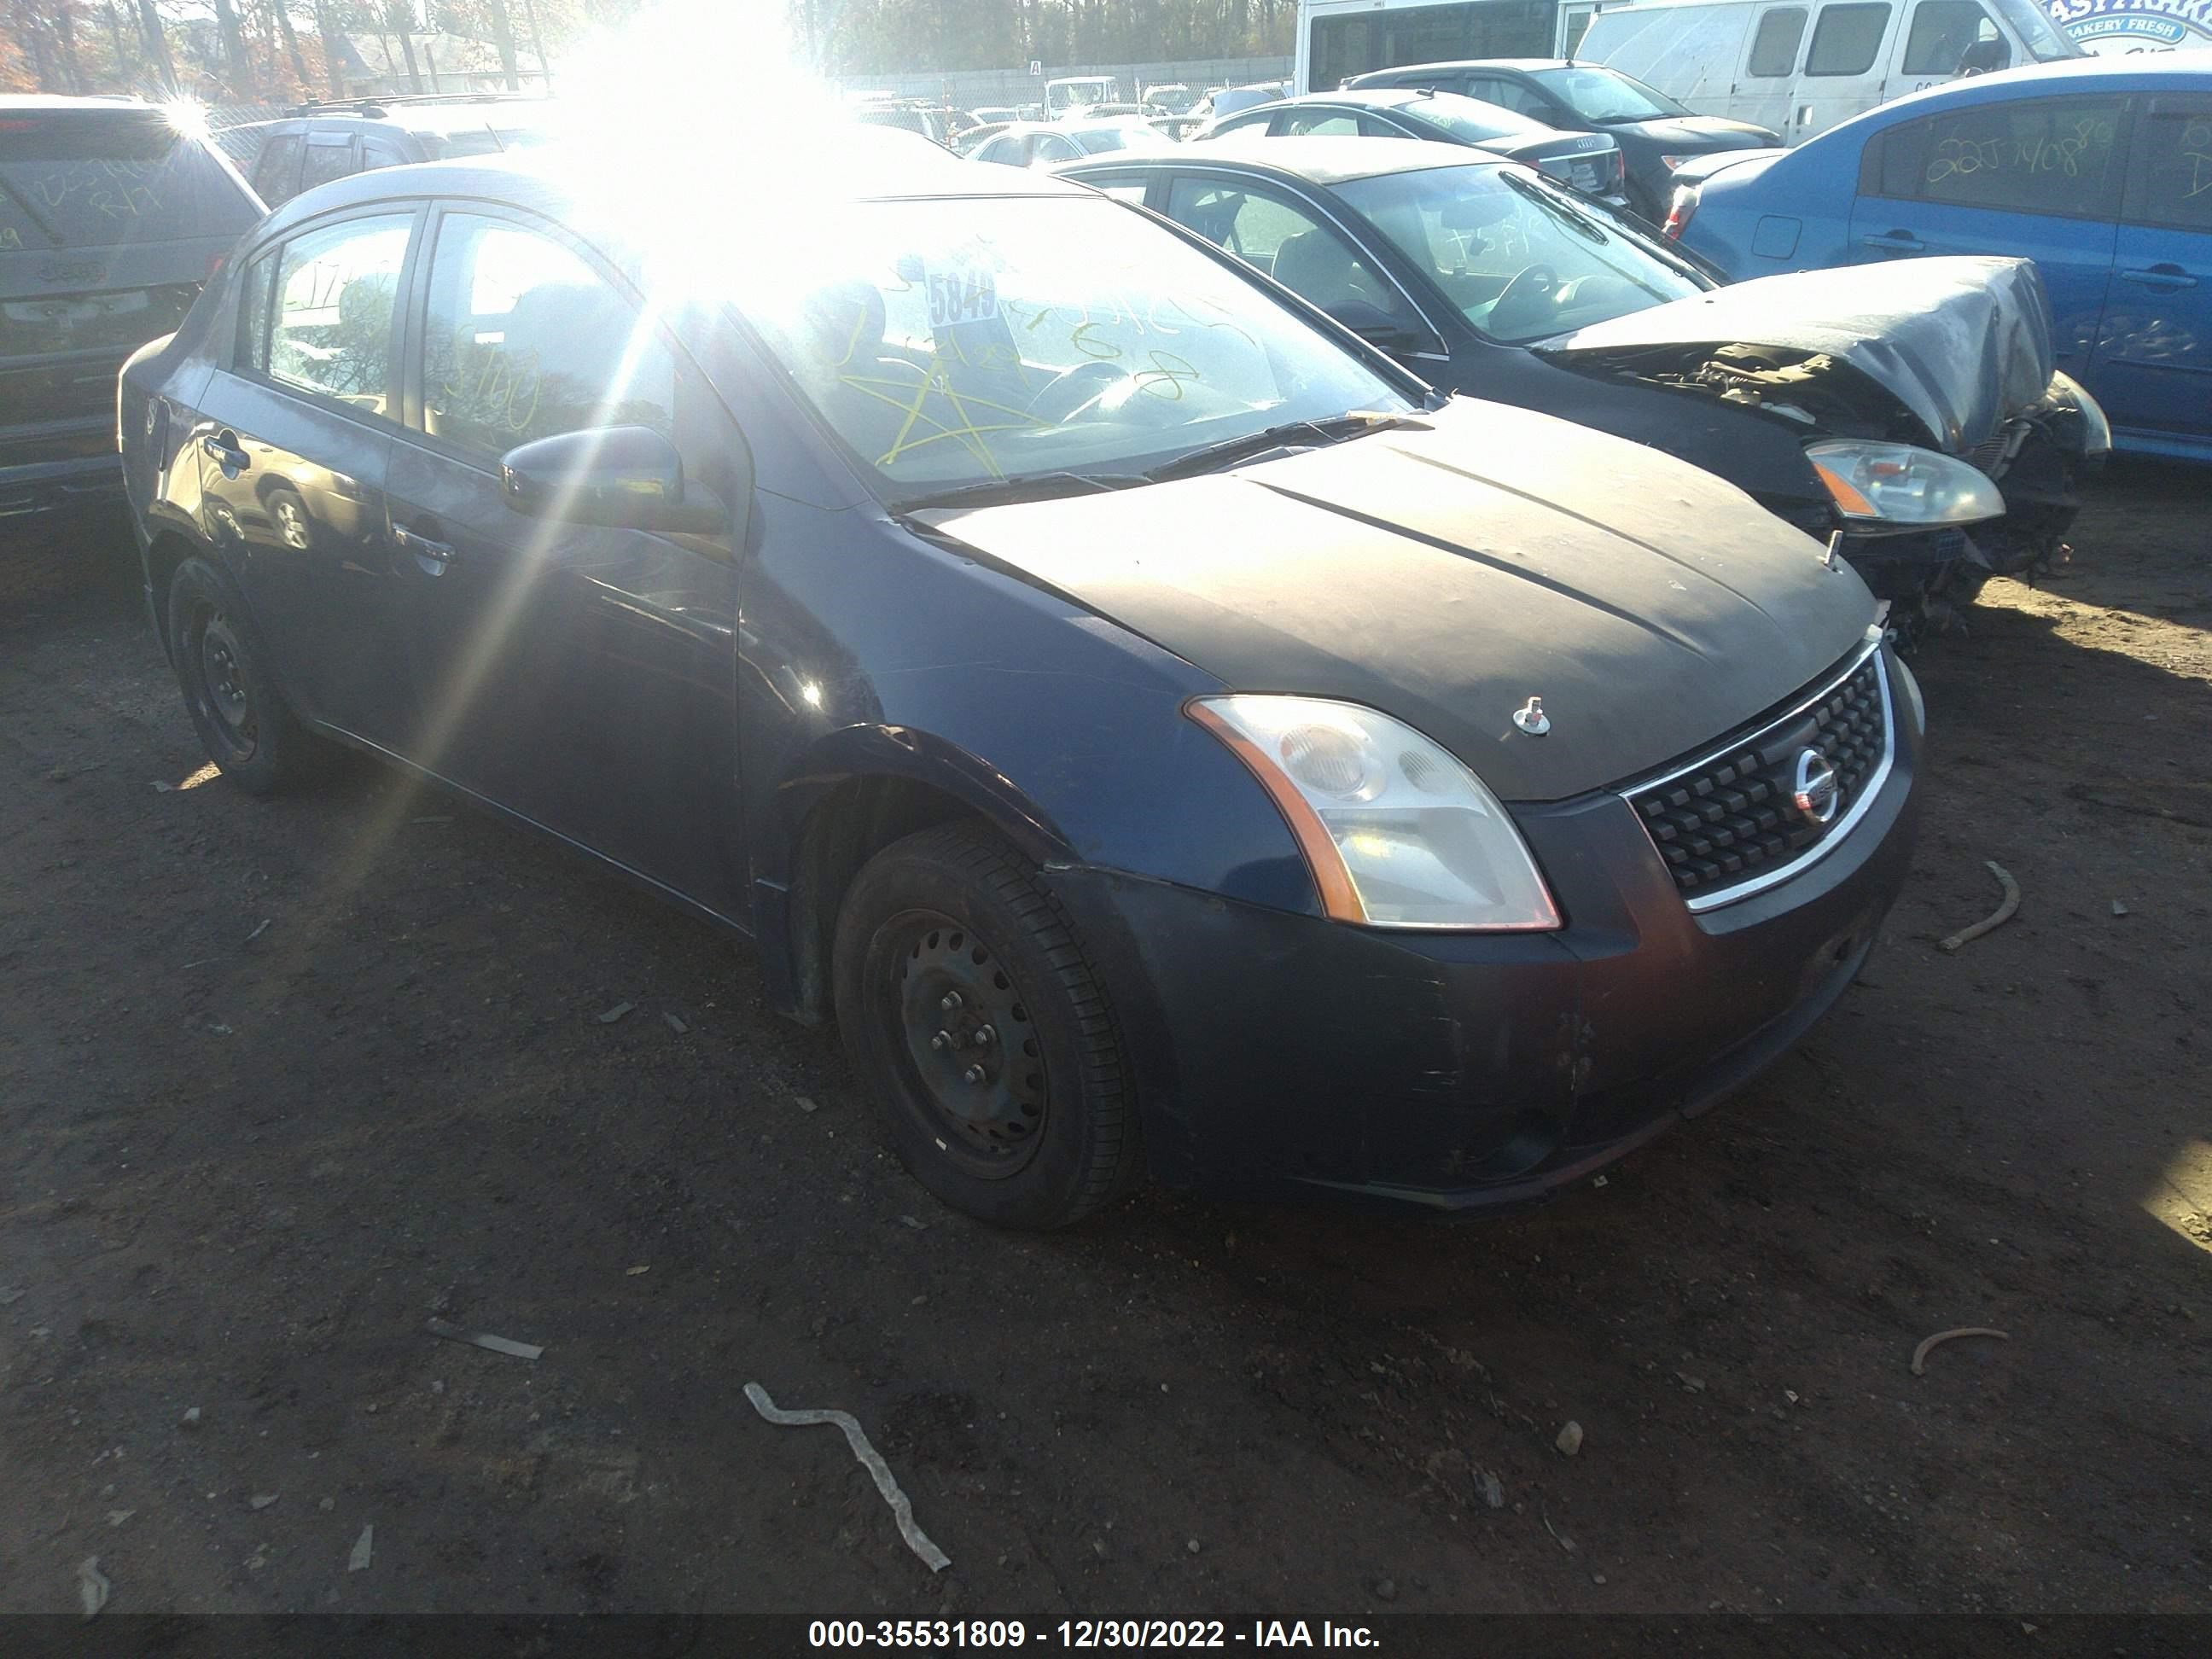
(1310, 259)
(1847, 40)
(524, 339)
(1520, 259)
(1774, 48)
(330, 324)
(2054, 156)
(1954, 37)
(958, 342)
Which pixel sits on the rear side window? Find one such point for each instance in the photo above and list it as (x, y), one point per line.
(1847, 40)
(2051, 155)
(526, 339)
(327, 159)
(1319, 122)
(2173, 166)
(279, 166)
(1774, 48)
(330, 311)
(1954, 37)
(103, 178)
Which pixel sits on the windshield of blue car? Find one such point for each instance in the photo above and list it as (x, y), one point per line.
(956, 341)
(1469, 120)
(2046, 43)
(1520, 260)
(1604, 94)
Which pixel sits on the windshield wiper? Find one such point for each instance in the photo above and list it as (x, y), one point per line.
(1211, 457)
(1021, 487)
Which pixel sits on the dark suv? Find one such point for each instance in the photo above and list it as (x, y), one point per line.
(322, 142)
(110, 218)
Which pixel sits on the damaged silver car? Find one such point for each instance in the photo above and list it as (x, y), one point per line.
(1912, 409)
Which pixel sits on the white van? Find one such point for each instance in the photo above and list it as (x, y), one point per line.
(1800, 66)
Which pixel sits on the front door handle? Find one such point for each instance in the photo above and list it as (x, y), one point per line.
(1896, 241)
(434, 556)
(222, 447)
(2167, 278)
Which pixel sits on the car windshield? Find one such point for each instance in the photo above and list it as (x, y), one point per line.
(1604, 94)
(953, 341)
(1118, 135)
(2046, 42)
(1469, 120)
(1520, 259)
(73, 178)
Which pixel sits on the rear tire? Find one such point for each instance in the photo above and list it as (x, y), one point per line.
(981, 1033)
(245, 724)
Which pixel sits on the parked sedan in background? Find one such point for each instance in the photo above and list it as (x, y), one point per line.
(1228, 101)
(1041, 144)
(1654, 133)
(1897, 408)
(317, 143)
(2099, 169)
(113, 212)
(1162, 731)
(1588, 162)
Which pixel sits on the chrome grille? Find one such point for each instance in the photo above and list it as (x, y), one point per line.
(1728, 825)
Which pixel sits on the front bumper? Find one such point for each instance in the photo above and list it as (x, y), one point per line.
(1279, 1055)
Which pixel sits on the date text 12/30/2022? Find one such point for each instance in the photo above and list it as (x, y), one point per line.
(1073, 1634)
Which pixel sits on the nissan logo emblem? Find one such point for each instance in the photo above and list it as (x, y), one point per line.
(1819, 791)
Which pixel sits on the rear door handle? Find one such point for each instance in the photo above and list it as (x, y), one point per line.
(432, 554)
(2164, 277)
(1896, 241)
(222, 447)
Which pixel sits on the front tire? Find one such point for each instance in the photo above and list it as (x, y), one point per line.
(245, 724)
(981, 1033)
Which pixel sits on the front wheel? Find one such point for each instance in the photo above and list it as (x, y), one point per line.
(981, 1033)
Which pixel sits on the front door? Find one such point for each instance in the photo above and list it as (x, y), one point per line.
(2032, 177)
(2153, 370)
(583, 677)
(293, 443)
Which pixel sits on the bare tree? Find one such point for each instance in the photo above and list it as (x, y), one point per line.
(157, 44)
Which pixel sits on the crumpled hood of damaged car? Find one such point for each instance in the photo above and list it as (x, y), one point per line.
(1446, 576)
(1963, 343)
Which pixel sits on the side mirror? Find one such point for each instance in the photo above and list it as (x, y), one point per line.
(626, 477)
(1375, 326)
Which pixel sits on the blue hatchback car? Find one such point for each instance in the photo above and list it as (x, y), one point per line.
(2099, 170)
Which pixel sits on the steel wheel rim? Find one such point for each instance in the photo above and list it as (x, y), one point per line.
(218, 661)
(963, 1037)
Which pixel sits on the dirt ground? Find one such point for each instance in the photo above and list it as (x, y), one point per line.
(281, 1082)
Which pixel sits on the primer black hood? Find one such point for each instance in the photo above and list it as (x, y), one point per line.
(1446, 576)
(1963, 344)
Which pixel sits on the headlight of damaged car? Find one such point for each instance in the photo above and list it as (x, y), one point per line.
(1902, 484)
(1397, 831)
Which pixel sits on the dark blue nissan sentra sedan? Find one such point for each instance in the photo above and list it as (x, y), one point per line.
(1165, 736)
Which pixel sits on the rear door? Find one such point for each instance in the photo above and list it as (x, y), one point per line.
(2030, 178)
(1846, 66)
(110, 222)
(294, 438)
(277, 169)
(330, 155)
(583, 677)
(2153, 369)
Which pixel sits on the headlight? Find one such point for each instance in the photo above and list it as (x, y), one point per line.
(1902, 484)
(1909, 685)
(2096, 430)
(1398, 833)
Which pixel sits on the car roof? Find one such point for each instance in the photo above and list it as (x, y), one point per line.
(425, 118)
(31, 102)
(2152, 72)
(1488, 62)
(1314, 160)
